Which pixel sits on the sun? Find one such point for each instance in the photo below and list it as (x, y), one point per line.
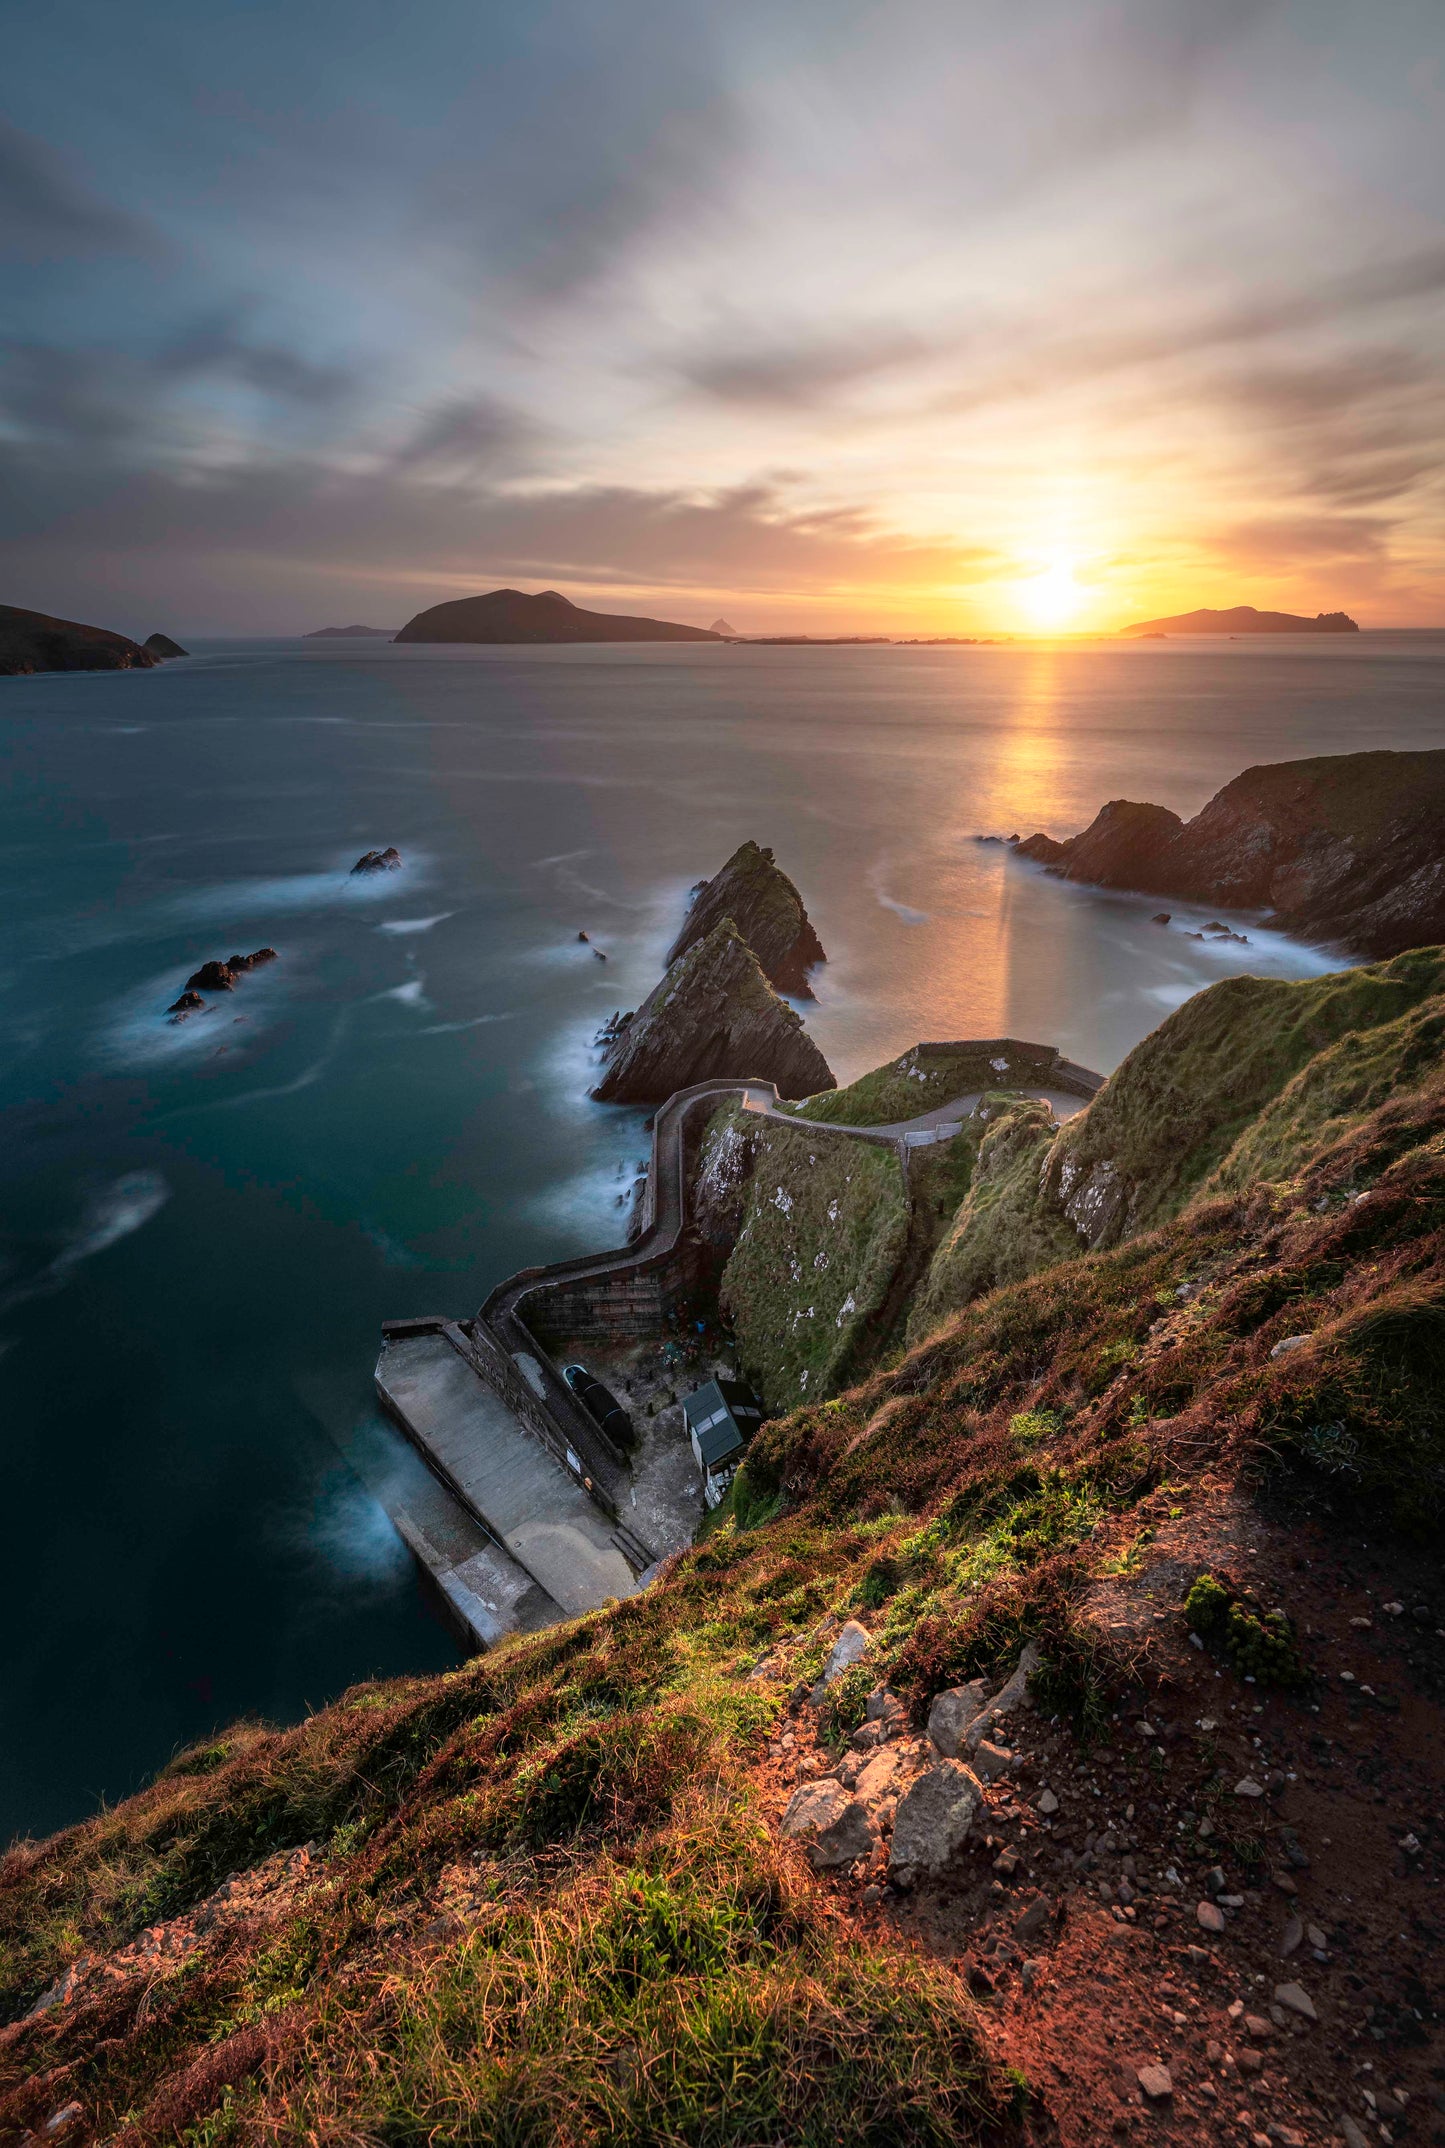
(1052, 597)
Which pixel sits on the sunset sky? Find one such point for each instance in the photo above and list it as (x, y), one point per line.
(913, 316)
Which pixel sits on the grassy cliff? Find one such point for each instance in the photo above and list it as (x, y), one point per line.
(823, 1225)
(544, 1898)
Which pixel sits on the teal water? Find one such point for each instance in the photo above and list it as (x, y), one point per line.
(201, 1226)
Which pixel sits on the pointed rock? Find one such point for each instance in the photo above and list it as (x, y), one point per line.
(713, 1015)
(767, 910)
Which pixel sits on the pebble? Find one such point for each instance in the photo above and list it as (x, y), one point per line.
(1030, 1973)
(1317, 1939)
(1297, 1999)
(1155, 2082)
(1046, 1802)
(1248, 1787)
(1355, 2136)
(1210, 1918)
(1294, 1933)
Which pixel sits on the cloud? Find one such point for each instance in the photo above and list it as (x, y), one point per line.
(221, 347)
(45, 211)
(466, 437)
(799, 373)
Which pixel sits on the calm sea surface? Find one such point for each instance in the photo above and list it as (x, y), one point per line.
(202, 1225)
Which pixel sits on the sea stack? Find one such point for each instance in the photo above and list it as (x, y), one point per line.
(713, 1016)
(162, 648)
(767, 910)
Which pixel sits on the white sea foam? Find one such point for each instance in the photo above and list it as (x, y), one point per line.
(411, 994)
(478, 1021)
(112, 1214)
(403, 925)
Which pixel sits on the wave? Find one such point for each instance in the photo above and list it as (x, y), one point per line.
(400, 925)
(112, 1213)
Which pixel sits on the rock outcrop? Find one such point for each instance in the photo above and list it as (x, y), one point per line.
(378, 861)
(769, 913)
(162, 648)
(33, 641)
(512, 615)
(713, 1015)
(1345, 847)
(1244, 619)
(217, 976)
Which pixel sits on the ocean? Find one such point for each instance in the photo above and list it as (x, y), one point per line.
(203, 1224)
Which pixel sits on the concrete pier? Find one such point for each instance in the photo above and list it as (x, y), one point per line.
(502, 1474)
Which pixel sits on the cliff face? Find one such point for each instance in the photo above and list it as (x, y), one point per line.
(511, 615)
(769, 913)
(714, 1014)
(33, 641)
(1346, 847)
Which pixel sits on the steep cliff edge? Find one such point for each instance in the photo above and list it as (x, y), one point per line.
(735, 1860)
(1345, 847)
(769, 913)
(714, 1013)
(33, 641)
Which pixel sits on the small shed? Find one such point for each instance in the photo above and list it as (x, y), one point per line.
(721, 1417)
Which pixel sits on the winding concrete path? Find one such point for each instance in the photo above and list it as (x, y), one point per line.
(497, 1423)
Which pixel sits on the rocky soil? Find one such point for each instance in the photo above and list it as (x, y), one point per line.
(1218, 1920)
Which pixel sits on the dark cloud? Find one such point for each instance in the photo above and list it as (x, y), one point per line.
(801, 373)
(261, 533)
(222, 347)
(46, 213)
(467, 437)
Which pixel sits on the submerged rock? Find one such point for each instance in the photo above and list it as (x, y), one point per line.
(378, 861)
(188, 1003)
(713, 1015)
(767, 910)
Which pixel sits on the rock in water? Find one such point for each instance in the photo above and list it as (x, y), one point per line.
(713, 1015)
(1342, 847)
(767, 910)
(378, 861)
(162, 648)
(33, 641)
(212, 977)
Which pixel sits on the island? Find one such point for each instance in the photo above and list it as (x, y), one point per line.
(350, 633)
(34, 641)
(510, 615)
(1243, 619)
(162, 648)
(1344, 847)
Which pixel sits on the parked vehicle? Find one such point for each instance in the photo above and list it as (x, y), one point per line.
(600, 1403)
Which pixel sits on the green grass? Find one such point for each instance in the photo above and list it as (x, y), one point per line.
(916, 1082)
(824, 1225)
(1002, 1230)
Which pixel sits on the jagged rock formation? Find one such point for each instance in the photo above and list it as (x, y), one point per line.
(33, 641)
(162, 648)
(1345, 847)
(1244, 619)
(379, 861)
(512, 615)
(713, 1014)
(769, 913)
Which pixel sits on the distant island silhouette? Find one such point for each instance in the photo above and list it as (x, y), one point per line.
(1244, 619)
(510, 615)
(350, 633)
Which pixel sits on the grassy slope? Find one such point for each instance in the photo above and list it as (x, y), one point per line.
(1001, 1231)
(1182, 1098)
(918, 1081)
(546, 1905)
(824, 1225)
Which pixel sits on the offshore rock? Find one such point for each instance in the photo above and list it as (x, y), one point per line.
(511, 615)
(768, 911)
(378, 861)
(33, 641)
(714, 1015)
(1343, 847)
(162, 648)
